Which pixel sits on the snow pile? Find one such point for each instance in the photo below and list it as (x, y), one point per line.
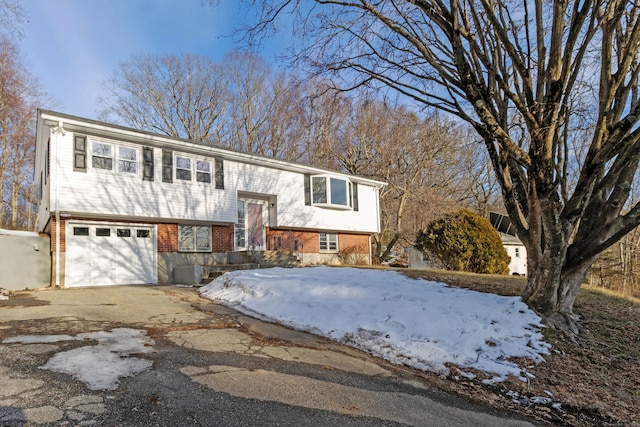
(98, 366)
(406, 321)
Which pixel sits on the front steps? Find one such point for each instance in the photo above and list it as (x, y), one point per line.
(246, 260)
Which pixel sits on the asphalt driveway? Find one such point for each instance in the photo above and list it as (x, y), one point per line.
(205, 365)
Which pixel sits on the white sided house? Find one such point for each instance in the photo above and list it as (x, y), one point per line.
(518, 253)
(514, 247)
(129, 207)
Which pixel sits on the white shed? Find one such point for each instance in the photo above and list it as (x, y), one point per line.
(518, 253)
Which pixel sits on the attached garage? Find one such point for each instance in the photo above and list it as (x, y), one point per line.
(102, 254)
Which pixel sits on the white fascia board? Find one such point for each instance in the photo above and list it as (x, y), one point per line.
(160, 141)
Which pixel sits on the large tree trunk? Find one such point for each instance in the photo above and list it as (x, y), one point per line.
(552, 286)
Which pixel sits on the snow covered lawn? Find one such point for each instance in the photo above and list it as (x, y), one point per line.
(413, 322)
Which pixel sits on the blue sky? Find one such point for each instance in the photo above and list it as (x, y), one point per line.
(73, 46)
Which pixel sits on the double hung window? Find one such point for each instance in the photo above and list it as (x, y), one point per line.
(193, 169)
(203, 171)
(127, 160)
(102, 156)
(328, 242)
(105, 156)
(183, 168)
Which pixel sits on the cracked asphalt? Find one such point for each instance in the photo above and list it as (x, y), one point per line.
(211, 366)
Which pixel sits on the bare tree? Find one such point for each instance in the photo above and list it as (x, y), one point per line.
(264, 106)
(251, 101)
(181, 96)
(482, 191)
(240, 103)
(12, 17)
(20, 95)
(324, 113)
(513, 69)
(417, 157)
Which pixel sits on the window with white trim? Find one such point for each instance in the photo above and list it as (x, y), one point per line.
(328, 242)
(194, 238)
(331, 191)
(105, 155)
(183, 168)
(127, 160)
(203, 171)
(241, 239)
(102, 156)
(194, 169)
(319, 185)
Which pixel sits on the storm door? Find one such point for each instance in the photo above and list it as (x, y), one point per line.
(250, 228)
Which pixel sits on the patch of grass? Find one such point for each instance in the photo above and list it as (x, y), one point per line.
(491, 283)
(595, 378)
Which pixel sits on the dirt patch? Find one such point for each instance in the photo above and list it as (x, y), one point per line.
(592, 381)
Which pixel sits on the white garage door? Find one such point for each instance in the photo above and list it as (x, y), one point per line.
(110, 254)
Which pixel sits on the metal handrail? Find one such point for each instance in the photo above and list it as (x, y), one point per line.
(295, 245)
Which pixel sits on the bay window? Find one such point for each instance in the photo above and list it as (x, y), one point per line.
(332, 191)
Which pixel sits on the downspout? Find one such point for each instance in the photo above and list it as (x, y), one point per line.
(57, 131)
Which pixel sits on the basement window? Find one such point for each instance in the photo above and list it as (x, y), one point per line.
(328, 242)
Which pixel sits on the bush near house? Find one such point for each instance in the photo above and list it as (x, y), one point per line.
(465, 241)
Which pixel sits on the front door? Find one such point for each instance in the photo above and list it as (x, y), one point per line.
(255, 226)
(250, 229)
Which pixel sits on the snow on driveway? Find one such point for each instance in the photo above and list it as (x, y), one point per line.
(406, 321)
(99, 365)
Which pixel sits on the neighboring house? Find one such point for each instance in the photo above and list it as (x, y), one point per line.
(127, 207)
(518, 253)
(514, 247)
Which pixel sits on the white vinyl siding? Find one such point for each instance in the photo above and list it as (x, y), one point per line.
(99, 192)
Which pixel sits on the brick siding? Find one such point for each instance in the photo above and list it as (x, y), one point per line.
(63, 240)
(222, 238)
(167, 237)
(357, 243)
